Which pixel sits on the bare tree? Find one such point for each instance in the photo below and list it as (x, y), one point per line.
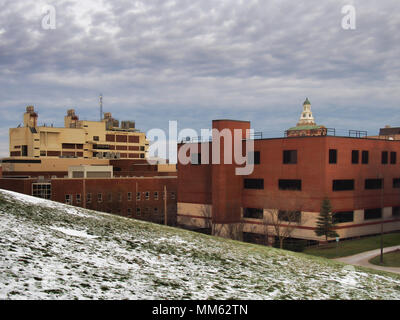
(228, 230)
(283, 222)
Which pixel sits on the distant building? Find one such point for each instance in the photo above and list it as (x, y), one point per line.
(306, 125)
(97, 165)
(78, 139)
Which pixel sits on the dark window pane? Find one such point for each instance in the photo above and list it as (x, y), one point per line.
(384, 157)
(393, 157)
(373, 184)
(372, 214)
(290, 156)
(253, 213)
(342, 185)
(289, 216)
(332, 156)
(254, 183)
(365, 157)
(290, 185)
(354, 156)
(256, 155)
(396, 183)
(344, 216)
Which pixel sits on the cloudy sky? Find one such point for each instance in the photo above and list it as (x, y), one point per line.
(194, 61)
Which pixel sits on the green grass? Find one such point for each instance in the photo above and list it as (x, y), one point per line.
(351, 247)
(390, 259)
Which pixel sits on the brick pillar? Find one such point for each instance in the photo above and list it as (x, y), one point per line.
(226, 185)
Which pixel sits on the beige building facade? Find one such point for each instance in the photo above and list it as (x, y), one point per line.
(104, 139)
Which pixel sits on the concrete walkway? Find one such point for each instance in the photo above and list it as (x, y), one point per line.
(361, 259)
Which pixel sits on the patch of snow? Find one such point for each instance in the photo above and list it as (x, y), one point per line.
(74, 233)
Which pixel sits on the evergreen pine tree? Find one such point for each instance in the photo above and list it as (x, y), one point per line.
(325, 222)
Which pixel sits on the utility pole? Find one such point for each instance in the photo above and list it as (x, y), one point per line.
(165, 206)
(382, 217)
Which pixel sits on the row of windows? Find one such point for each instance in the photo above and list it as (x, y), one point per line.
(337, 185)
(69, 197)
(338, 217)
(283, 215)
(282, 184)
(369, 184)
(355, 157)
(290, 157)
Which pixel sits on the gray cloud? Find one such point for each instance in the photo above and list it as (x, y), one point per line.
(194, 61)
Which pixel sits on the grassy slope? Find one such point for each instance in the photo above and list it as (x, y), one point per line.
(130, 259)
(351, 247)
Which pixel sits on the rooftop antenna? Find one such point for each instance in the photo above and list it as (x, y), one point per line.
(101, 106)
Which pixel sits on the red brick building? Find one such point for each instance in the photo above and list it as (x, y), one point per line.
(360, 176)
(135, 191)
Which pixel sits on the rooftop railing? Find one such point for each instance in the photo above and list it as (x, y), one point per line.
(258, 135)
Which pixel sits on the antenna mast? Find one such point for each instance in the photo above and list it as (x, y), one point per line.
(101, 106)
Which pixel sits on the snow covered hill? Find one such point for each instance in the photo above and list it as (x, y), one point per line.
(53, 251)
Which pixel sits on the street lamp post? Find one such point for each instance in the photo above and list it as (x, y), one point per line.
(382, 217)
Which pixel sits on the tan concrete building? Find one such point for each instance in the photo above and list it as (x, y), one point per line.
(79, 142)
(78, 139)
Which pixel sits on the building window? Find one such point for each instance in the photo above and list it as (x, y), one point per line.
(155, 195)
(371, 184)
(155, 210)
(24, 152)
(289, 216)
(68, 199)
(138, 211)
(253, 213)
(147, 195)
(393, 158)
(254, 183)
(365, 157)
(119, 196)
(41, 190)
(384, 157)
(289, 156)
(96, 138)
(109, 197)
(332, 156)
(173, 195)
(290, 185)
(138, 196)
(147, 210)
(196, 158)
(256, 158)
(354, 156)
(344, 216)
(129, 196)
(342, 185)
(396, 183)
(396, 212)
(370, 214)
(99, 197)
(78, 198)
(129, 212)
(89, 198)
